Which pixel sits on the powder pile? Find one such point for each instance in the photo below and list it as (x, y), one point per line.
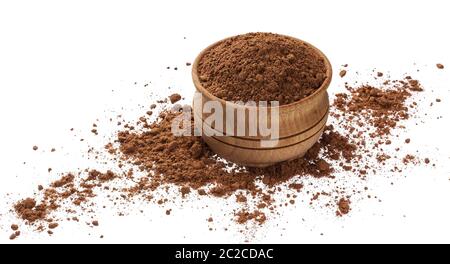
(188, 163)
(262, 67)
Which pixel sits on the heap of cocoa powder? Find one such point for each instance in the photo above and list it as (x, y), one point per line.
(189, 163)
(262, 67)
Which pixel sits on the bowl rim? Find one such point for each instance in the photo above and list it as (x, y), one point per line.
(205, 92)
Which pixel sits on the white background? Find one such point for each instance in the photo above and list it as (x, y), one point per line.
(60, 62)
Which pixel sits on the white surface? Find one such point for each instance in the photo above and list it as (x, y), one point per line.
(60, 61)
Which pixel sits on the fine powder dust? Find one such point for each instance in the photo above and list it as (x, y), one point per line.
(145, 158)
(262, 67)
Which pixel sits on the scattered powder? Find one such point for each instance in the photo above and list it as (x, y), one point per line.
(70, 188)
(381, 107)
(361, 120)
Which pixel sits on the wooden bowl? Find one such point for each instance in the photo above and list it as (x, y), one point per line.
(300, 124)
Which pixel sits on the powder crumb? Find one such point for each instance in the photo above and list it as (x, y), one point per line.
(185, 190)
(12, 236)
(95, 223)
(407, 141)
(427, 160)
(35, 148)
(438, 100)
(343, 207)
(174, 98)
(168, 211)
(14, 227)
(296, 186)
(379, 74)
(244, 216)
(342, 73)
(53, 225)
(440, 66)
(240, 198)
(40, 187)
(210, 219)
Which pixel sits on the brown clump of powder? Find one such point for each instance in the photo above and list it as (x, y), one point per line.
(440, 66)
(53, 225)
(342, 73)
(343, 207)
(262, 67)
(174, 98)
(14, 235)
(244, 216)
(29, 210)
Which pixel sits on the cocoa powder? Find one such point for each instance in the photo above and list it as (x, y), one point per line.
(262, 67)
(362, 116)
(69, 189)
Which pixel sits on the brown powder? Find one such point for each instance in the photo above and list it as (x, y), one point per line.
(53, 225)
(70, 189)
(244, 216)
(342, 73)
(343, 206)
(381, 107)
(440, 66)
(174, 98)
(262, 67)
(188, 164)
(192, 164)
(28, 210)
